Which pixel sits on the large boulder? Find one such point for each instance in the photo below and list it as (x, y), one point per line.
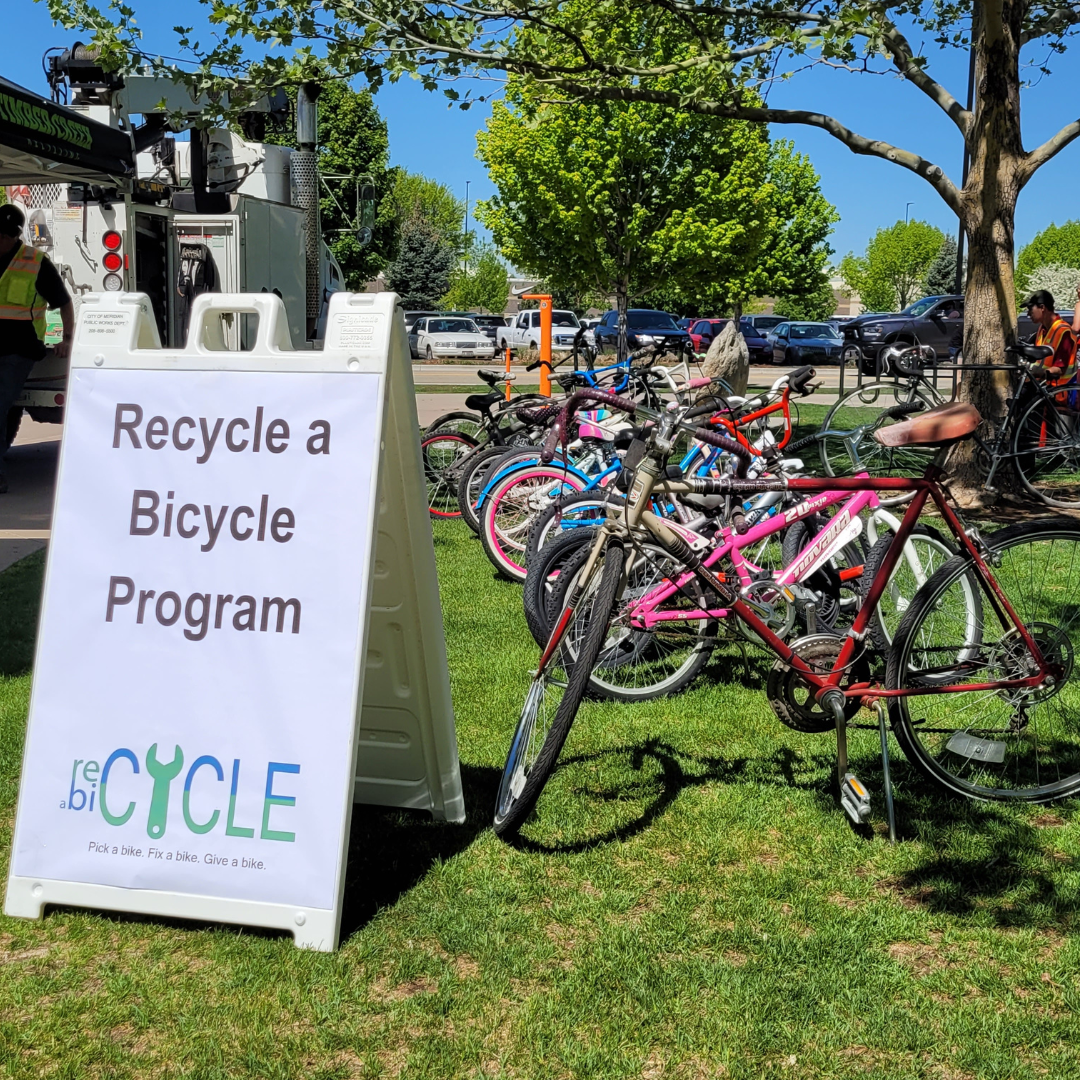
(729, 359)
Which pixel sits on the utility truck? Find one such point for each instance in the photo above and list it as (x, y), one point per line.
(218, 212)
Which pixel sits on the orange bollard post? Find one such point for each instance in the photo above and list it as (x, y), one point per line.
(508, 372)
(545, 340)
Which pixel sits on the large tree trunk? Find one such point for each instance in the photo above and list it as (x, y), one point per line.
(988, 206)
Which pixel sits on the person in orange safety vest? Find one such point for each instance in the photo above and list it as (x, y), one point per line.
(1054, 332)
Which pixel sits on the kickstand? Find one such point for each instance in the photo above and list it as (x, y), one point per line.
(879, 705)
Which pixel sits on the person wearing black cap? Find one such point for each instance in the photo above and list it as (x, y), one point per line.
(29, 283)
(1054, 332)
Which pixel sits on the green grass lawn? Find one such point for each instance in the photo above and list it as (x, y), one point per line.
(688, 902)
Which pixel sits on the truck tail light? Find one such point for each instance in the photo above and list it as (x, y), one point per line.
(112, 240)
(112, 261)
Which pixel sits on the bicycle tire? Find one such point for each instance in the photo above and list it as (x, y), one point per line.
(1035, 756)
(470, 482)
(521, 785)
(636, 664)
(434, 448)
(1046, 442)
(564, 554)
(511, 506)
(467, 423)
(925, 552)
(833, 611)
(578, 510)
(873, 458)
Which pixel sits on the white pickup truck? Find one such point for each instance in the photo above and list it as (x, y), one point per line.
(524, 332)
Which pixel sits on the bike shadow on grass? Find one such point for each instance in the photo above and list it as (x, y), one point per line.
(391, 851)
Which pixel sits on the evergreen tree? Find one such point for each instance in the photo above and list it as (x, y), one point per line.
(421, 272)
(941, 277)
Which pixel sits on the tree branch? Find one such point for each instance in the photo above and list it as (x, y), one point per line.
(904, 59)
(1049, 149)
(857, 144)
(1056, 22)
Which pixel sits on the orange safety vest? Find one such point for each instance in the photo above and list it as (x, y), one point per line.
(1059, 337)
(19, 298)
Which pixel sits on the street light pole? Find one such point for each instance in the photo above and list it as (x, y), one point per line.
(467, 182)
(907, 210)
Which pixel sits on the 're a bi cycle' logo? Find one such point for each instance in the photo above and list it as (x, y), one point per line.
(90, 781)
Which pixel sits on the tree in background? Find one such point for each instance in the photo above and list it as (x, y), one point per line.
(941, 277)
(1056, 245)
(485, 285)
(418, 200)
(890, 275)
(622, 199)
(729, 47)
(353, 141)
(797, 254)
(421, 272)
(815, 306)
(1058, 280)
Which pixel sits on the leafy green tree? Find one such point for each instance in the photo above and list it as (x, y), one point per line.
(813, 306)
(619, 199)
(421, 272)
(484, 285)
(727, 48)
(1056, 245)
(353, 141)
(890, 275)
(941, 277)
(416, 199)
(796, 253)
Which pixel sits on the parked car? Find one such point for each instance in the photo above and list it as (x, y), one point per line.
(643, 327)
(524, 331)
(806, 342)
(764, 322)
(412, 316)
(489, 324)
(685, 324)
(756, 341)
(702, 332)
(442, 336)
(590, 325)
(937, 321)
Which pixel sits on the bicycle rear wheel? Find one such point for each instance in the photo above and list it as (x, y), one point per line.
(538, 595)
(440, 451)
(996, 743)
(1047, 444)
(552, 704)
(471, 481)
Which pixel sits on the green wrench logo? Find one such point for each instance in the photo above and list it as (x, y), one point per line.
(163, 775)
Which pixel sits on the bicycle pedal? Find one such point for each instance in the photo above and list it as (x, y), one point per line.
(855, 799)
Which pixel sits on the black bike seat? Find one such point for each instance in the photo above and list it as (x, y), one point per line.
(1031, 352)
(482, 402)
(490, 377)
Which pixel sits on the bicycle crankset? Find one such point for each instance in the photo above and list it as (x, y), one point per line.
(793, 700)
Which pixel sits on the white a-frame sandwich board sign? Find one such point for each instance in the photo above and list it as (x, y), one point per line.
(240, 631)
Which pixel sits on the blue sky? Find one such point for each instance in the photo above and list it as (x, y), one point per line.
(426, 136)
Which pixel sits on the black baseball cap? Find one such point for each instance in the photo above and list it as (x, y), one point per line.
(1043, 298)
(12, 220)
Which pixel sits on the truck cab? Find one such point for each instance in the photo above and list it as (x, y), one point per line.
(524, 332)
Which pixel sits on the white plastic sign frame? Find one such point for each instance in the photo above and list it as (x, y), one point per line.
(197, 753)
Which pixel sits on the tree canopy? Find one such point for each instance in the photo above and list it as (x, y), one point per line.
(941, 276)
(483, 284)
(421, 272)
(1056, 245)
(892, 272)
(419, 200)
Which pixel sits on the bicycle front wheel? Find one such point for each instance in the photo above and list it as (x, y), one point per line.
(999, 743)
(845, 455)
(441, 451)
(552, 703)
(1047, 444)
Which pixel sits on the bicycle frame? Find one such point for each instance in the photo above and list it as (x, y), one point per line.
(925, 487)
(822, 548)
